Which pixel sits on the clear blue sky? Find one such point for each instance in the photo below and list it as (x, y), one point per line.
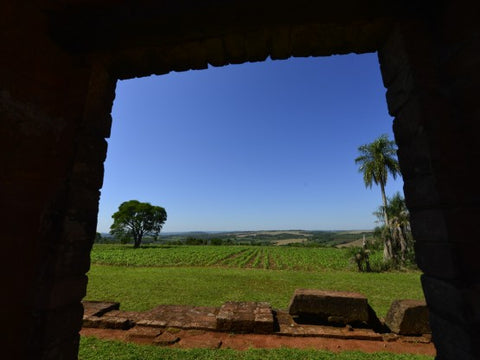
(267, 145)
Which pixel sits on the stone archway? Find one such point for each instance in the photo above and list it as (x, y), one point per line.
(59, 67)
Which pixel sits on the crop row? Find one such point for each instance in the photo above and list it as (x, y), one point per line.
(288, 258)
(258, 257)
(162, 256)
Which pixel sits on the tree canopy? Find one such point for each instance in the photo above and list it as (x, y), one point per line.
(135, 219)
(377, 159)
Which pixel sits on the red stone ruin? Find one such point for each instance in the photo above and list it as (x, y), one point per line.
(59, 63)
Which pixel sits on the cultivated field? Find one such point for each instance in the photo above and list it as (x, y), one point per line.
(258, 257)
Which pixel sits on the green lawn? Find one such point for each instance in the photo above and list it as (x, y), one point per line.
(142, 288)
(94, 349)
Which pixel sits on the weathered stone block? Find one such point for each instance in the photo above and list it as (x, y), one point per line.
(108, 322)
(263, 323)
(98, 308)
(182, 316)
(152, 323)
(408, 317)
(142, 334)
(329, 306)
(245, 317)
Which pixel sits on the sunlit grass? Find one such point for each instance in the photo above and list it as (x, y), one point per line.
(94, 349)
(142, 288)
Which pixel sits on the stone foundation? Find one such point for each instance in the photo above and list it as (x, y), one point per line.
(232, 317)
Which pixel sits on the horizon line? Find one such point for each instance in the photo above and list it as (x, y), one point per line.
(234, 231)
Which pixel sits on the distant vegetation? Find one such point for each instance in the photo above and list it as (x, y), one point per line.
(298, 238)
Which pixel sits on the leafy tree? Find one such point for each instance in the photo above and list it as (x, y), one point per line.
(135, 219)
(376, 161)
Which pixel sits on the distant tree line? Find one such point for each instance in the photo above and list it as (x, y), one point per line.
(206, 241)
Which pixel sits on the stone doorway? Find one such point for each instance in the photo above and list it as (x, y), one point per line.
(58, 79)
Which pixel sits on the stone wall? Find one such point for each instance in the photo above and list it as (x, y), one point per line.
(51, 173)
(58, 67)
(430, 69)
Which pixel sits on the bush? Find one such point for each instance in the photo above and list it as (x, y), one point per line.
(377, 264)
(361, 257)
(216, 241)
(195, 241)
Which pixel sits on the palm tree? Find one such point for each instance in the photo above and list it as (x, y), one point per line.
(399, 219)
(376, 161)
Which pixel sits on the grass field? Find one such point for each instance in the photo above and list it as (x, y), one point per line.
(94, 349)
(210, 275)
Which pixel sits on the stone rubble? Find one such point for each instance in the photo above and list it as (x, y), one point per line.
(161, 324)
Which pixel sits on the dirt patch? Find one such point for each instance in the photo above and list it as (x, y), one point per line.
(301, 233)
(290, 241)
(271, 262)
(252, 258)
(354, 231)
(272, 233)
(213, 340)
(357, 243)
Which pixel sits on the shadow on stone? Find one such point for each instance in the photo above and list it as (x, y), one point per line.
(334, 308)
(408, 317)
(375, 323)
(276, 324)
